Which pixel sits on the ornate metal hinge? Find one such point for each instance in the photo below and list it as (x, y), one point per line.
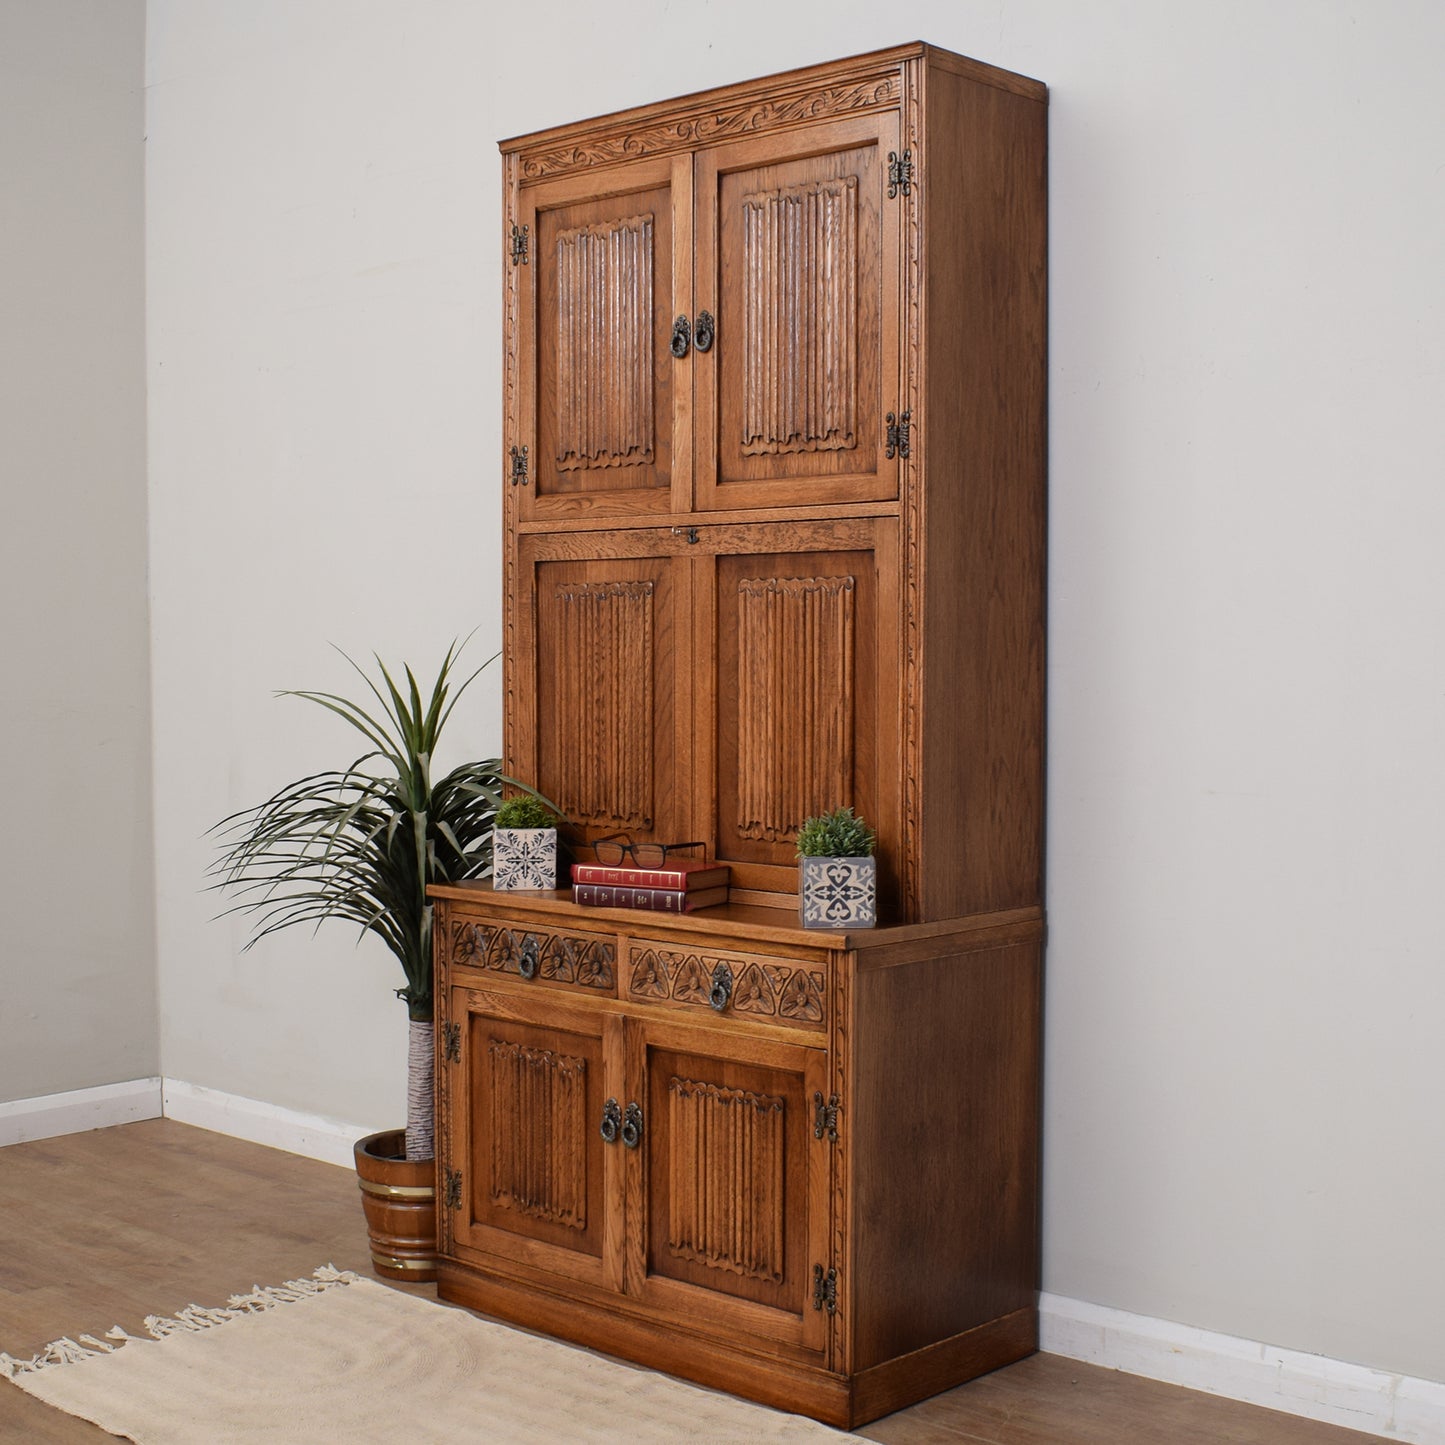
(825, 1117)
(900, 174)
(452, 1041)
(519, 466)
(900, 429)
(825, 1289)
(522, 245)
(454, 1188)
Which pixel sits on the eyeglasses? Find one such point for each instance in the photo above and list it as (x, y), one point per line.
(617, 846)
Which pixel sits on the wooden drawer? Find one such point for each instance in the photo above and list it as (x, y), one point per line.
(531, 952)
(731, 983)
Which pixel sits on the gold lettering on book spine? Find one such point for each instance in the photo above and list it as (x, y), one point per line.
(795, 694)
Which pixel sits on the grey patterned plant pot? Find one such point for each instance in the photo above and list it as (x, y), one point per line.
(524, 858)
(838, 892)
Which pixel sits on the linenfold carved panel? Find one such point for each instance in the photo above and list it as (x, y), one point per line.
(800, 281)
(795, 681)
(725, 1200)
(539, 1132)
(604, 344)
(604, 692)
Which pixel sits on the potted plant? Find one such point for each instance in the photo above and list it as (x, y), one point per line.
(837, 872)
(360, 844)
(524, 844)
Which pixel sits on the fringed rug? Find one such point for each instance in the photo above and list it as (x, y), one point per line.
(340, 1358)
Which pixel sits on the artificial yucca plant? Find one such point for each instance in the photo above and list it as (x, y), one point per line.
(361, 844)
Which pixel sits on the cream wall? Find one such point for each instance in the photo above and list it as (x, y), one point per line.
(77, 935)
(1247, 683)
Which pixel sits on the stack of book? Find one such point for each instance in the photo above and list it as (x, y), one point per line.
(682, 886)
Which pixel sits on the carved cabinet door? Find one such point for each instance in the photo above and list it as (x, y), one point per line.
(734, 1195)
(798, 263)
(531, 1177)
(803, 654)
(603, 401)
(598, 681)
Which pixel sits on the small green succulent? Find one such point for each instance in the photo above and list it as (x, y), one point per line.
(838, 834)
(525, 811)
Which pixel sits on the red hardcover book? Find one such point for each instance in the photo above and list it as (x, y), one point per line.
(686, 873)
(660, 900)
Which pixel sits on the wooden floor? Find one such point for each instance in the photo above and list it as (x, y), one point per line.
(104, 1228)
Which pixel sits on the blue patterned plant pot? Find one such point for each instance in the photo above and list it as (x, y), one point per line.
(838, 892)
(524, 858)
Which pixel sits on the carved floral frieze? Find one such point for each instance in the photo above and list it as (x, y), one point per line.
(555, 957)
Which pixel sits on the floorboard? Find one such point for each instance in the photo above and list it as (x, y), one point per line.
(106, 1227)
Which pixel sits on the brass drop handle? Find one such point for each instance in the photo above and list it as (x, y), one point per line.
(704, 331)
(722, 987)
(611, 1121)
(632, 1126)
(681, 337)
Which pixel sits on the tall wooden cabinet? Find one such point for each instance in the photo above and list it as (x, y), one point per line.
(774, 542)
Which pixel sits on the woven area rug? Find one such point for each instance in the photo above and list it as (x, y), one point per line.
(340, 1358)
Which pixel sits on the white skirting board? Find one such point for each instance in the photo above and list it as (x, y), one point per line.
(1398, 1407)
(314, 1135)
(74, 1112)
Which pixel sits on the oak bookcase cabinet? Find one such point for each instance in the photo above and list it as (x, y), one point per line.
(774, 542)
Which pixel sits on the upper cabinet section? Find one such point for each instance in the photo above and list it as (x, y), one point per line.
(704, 299)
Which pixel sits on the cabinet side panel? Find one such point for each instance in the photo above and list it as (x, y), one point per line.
(944, 1113)
(982, 439)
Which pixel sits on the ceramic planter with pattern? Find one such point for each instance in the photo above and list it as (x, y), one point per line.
(524, 858)
(838, 892)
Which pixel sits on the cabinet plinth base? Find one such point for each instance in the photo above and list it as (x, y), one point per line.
(839, 1400)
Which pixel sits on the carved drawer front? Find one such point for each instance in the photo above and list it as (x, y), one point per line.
(761, 988)
(536, 954)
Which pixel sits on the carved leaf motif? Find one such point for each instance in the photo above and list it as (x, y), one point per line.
(562, 959)
(761, 989)
(686, 131)
(693, 982)
(801, 997)
(754, 992)
(650, 974)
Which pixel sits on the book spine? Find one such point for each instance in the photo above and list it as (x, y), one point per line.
(629, 877)
(605, 895)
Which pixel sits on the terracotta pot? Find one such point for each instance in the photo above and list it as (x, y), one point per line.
(399, 1197)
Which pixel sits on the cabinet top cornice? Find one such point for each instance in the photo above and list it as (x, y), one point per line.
(839, 87)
